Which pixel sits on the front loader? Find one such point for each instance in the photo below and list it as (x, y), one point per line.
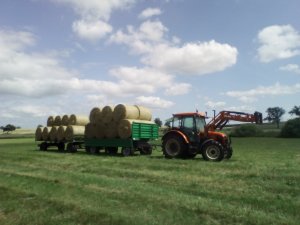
(189, 135)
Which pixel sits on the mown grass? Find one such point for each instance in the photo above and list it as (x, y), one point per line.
(259, 185)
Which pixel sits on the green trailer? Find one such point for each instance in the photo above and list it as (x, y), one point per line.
(141, 134)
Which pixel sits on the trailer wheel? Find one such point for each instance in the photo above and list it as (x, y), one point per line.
(71, 148)
(87, 149)
(213, 151)
(111, 150)
(61, 147)
(145, 149)
(127, 151)
(43, 146)
(173, 146)
(94, 150)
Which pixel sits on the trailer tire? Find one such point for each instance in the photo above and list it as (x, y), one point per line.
(94, 150)
(61, 147)
(173, 146)
(213, 151)
(127, 151)
(111, 150)
(43, 146)
(71, 148)
(145, 149)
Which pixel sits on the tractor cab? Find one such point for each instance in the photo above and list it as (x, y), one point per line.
(190, 124)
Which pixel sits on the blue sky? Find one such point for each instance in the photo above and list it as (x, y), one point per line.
(66, 56)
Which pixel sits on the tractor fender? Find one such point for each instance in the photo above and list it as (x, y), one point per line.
(177, 132)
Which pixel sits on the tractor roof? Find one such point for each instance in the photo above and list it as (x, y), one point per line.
(186, 114)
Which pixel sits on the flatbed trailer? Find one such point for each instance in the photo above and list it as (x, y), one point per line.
(65, 145)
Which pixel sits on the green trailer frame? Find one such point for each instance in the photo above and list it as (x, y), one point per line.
(142, 133)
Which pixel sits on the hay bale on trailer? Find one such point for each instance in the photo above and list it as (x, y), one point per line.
(144, 113)
(65, 120)
(73, 132)
(45, 133)
(95, 115)
(57, 121)
(111, 130)
(50, 121)
(100, 130)
(90, 130)
(78, 120)
(125, 127)
(107, 114)
(61, 133)
(53, 133)
(122, 111)
(39, 134)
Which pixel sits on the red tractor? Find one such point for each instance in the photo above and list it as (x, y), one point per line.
(189, 135)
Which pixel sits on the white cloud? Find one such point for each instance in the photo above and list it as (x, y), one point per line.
(215, 105)
(95, 9)
(294, 68)
(273, 90)
(278, 42)
(148, 80)
(91, 30)
(149, 12)
(154, 102)
(192, 58)
(189, 59)
(177, 89)
(94, 16)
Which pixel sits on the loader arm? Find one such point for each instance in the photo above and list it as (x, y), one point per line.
(219, 121)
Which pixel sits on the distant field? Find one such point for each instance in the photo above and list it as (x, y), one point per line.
(259, 185)
(18, 133)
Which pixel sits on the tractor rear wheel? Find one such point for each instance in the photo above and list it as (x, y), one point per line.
(213, 151)
(173, 146)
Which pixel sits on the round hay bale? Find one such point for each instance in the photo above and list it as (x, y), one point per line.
(144, 113)
(95, 114)
(39, 134)
(53, 133)
(65, 120)
(45, 133)
(50, 121)
(90, 130)
(125, 112)
(61, 133)
(111, 130)
(107, 114)
(57, 121)
(124, 127)
(72, 132)
(100, 130)
(78, 120)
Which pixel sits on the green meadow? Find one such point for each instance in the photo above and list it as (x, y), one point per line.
(259, 185)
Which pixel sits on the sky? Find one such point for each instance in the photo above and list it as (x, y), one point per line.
(67, 56)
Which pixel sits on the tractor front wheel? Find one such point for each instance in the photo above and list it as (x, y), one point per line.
(213, 151)
(173, 146)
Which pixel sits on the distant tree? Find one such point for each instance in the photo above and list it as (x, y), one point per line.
(40, 126)
(295, 110)
(274, 115)
(158, 121)
(8, 128)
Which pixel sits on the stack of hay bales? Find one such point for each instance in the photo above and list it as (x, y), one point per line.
(65, 128)
(115, 122)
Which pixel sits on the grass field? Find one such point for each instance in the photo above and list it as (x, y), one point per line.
(259, 185)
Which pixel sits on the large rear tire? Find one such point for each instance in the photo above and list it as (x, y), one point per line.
(213, 151)
(174, 146)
